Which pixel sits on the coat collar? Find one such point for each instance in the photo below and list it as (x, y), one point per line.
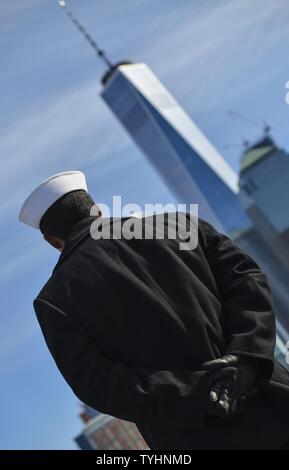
(81, 230)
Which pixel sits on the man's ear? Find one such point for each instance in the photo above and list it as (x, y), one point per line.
(54, 241)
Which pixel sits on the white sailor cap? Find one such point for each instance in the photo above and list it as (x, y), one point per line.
(48, 192)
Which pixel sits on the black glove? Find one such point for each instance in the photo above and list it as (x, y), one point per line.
(233, 381)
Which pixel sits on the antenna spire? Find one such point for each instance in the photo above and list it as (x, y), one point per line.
(101, 54)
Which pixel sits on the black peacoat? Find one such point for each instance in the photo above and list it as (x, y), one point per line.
(129, 323)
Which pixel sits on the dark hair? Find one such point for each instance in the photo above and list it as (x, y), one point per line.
(62, 216)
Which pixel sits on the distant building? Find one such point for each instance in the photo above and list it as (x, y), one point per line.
(264, 194)
(103, 432)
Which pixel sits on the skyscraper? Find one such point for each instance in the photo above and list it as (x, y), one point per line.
(264, 194)
(185, 159)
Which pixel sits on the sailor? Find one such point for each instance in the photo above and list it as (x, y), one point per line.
(180, 342)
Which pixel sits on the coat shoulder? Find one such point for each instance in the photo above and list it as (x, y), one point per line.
(46, 292)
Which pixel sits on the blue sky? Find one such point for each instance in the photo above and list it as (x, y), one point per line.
(213, 55)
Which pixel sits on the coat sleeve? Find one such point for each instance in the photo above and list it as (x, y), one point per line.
(160, 397)
(246, 296)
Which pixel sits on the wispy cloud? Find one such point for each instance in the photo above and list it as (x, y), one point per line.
(200, 58)
(25, 331)
(17, 266)
(53, 139)
(10, 11)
